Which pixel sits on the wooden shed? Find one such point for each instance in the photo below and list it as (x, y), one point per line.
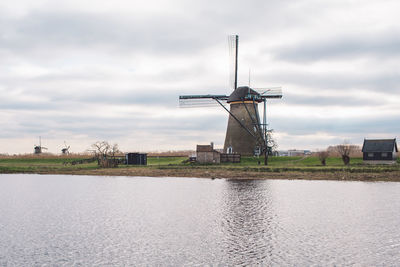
(136, 158)
(207, 154)
(380, 151)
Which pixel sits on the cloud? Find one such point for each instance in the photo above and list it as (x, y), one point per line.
(345, 47)
(109, 33)
(344, 127)
(84, 71)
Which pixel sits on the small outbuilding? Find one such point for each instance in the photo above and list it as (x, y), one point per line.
(207, 154)
(136, 158)
(380, 151)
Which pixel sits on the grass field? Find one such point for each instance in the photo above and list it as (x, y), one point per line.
(15, 163)
(41, 164)
(295, 161)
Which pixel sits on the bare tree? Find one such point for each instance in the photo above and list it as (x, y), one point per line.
(322, 156)
(105, 154)
(271, 145)
(345, 150)
(271, 142)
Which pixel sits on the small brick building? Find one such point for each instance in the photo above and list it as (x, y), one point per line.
(207, 154)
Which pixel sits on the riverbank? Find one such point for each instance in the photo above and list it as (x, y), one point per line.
(215, 173)
(279, 168)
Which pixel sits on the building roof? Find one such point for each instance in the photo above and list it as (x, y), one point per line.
(379, 145)
(204, 148)
(242, 93)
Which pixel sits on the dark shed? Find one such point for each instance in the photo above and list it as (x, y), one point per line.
(136, 159)
(379, 150)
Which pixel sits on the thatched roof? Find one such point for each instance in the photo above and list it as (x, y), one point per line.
(241, 93)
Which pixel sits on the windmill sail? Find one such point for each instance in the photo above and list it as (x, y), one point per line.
(269, 92)
(233, 42)
(195, 101)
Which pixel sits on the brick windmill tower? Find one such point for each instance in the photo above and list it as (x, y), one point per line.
(245, 133)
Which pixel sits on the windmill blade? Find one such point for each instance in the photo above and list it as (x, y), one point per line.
(219, 97)
(200, 102)
(233, 43)
(269, 92)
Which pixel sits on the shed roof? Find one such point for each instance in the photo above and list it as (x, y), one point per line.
(204, 148)
(242, 93)
(379, 145)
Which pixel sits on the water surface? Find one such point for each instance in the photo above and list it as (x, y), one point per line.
(89, 220)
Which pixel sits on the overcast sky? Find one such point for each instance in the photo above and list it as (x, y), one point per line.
(81, 71)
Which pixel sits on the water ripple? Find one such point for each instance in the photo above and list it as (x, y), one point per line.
(76, 220)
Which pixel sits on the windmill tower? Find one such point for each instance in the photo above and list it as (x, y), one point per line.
(245, 133)
(38, 149)
(65, 150)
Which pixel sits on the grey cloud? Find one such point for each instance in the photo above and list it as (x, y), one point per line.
(76, 94)
(115, 35)
(387, 81)
(24, 105)
(329, 101)
(361, 126)
(64, 100)
(381, 45)
(201, 26)
(91, 124)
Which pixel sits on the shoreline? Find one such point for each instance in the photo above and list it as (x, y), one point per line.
(219, 173)
(288, 168)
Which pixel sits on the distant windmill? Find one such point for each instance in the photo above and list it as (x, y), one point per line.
(245, 133)
(38, 148)
(65, 150)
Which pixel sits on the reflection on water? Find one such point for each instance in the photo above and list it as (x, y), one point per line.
(247, 221)
(84, 220)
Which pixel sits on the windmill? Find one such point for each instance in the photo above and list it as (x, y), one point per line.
(65, 150)
(38, 148)
(245, 133)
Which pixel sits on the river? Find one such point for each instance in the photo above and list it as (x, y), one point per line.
(141, 221)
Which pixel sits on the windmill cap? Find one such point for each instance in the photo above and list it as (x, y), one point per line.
(244, 93)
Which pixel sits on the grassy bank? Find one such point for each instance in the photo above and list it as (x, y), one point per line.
(249, 168)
